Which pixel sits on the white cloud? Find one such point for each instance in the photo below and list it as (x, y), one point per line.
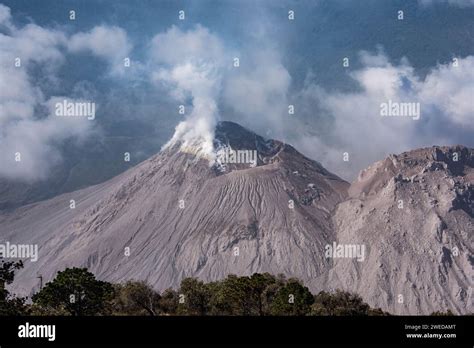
(108, 42)
(445, 98)
(5, 16)
(37, 44)
(328, 123)
(27, 122)
(23, 128)
(258, 90)
(36, 140)
(176, 46)
(451, 90)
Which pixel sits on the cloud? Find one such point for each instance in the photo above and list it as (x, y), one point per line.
(192, 64)
(328, 123)
(37, 143)
(176, 46)
(449, 89)
(108, 42)
(445, 97)
(5, 16)
(33, 43)
(258, 91)
(26, 125)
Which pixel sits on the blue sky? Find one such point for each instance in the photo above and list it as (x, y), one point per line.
(282, 62)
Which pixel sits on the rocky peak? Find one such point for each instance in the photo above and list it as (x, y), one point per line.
(437, 162)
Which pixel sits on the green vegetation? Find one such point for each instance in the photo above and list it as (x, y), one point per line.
(342, 303)
(135, 298)
(76, 291)
(10, 305)
(441, 314)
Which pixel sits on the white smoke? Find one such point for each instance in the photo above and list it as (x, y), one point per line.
(192, 63)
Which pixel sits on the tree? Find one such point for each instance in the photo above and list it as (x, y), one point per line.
(168, 302)
(342, 303)
(9, 304)
(442, 314)
(292, 299)
(233, 296)
(77, 292)
(262, 285)
(244, 295)
(274, 284)
(196, 297)
(136, 298)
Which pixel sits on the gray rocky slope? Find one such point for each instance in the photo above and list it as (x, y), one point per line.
(415, 214)
(180, 217)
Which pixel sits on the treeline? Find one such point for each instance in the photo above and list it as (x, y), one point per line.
(76, 291)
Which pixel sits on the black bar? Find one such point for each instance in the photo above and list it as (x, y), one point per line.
(244, 330)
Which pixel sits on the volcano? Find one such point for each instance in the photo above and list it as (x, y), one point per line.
(180, 215)
(175, 216)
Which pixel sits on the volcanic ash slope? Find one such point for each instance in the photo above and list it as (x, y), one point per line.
(414, 213)
(180, 217)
